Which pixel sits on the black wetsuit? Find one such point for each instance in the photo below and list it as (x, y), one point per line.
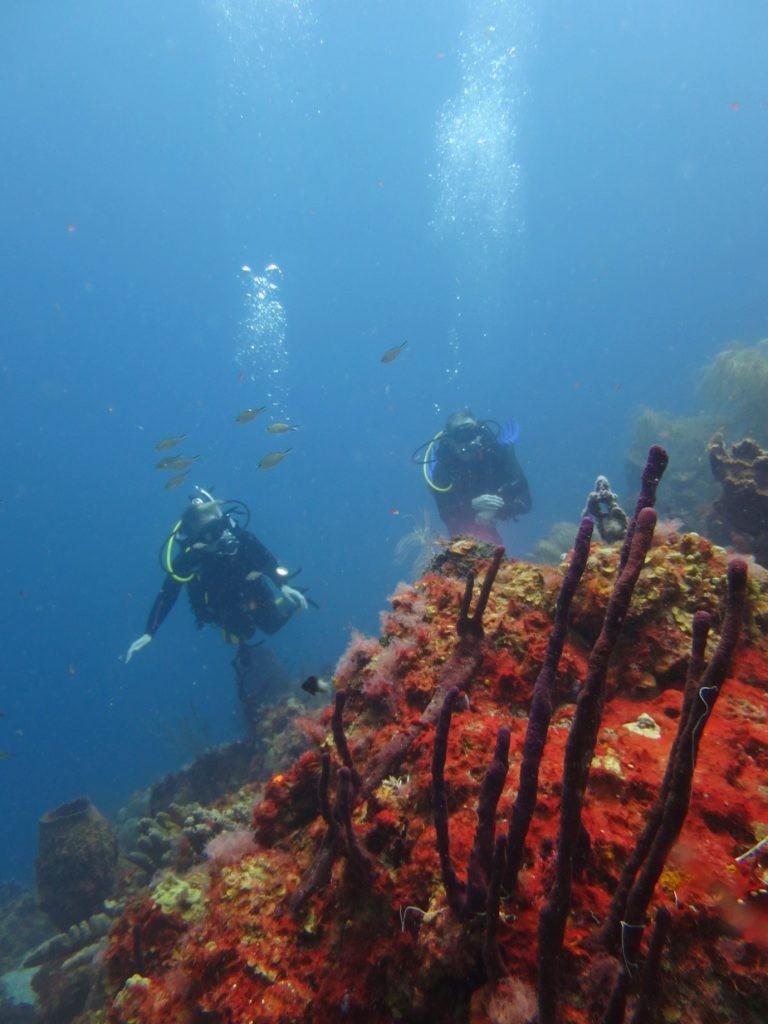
(492, 469)
(228, 590)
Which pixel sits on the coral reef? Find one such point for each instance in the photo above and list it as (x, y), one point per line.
(732, 396)
(688, 485)
(552, 549)
(563, 717)
(22, 925)
(75, 938)
(340, 911)
(740, 515)
(196, 816)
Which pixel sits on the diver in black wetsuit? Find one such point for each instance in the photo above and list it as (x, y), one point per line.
(473, 473)
(225, 569)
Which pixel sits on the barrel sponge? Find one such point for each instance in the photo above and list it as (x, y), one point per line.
(77, 862)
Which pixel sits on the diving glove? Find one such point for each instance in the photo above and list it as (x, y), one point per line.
(486, 507)
(137, 645)
(294, 597)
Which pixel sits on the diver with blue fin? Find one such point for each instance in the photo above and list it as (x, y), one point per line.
(471, 468)
(233, 581)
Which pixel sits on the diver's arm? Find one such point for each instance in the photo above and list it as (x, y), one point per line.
(164, 601)
(260, 558)
(514, 490)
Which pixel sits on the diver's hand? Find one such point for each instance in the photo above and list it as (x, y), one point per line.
(487, 507)
(137, 645)
(294, 597)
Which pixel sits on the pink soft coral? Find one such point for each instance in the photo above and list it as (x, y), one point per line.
(360, 651)
(230, 847)
(408, 609)
(383, 677)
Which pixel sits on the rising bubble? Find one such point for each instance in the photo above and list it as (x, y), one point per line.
(260, 344)
(262, 33)
(478, 170)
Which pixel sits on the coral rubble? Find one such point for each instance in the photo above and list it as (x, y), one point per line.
(339, 910)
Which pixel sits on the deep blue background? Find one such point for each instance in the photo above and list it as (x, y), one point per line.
(182, 139)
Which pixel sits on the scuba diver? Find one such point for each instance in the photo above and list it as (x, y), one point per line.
(471, 468)
(225, 568)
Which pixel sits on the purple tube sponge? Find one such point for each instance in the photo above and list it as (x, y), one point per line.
(678, 794)
(471, 898)
(579, 751)
(472, 625)
(649, 482)
(481, 855)
(540, 712)
(337, 728)
(454, 889)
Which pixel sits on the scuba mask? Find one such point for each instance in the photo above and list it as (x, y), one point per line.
(467, 441)
(217, 537)
(206, 525)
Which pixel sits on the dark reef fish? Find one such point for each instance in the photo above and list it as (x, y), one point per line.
(313, 685)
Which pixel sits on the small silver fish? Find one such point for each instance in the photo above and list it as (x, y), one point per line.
(249, 414)
(177, 462)
(281, 428)
(169, 442)
(176, 481)
(273, 458)
(393, 353)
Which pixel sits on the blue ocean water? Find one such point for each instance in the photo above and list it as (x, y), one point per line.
(561, 207)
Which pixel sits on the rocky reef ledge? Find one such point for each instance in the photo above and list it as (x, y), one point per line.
(338, 900)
